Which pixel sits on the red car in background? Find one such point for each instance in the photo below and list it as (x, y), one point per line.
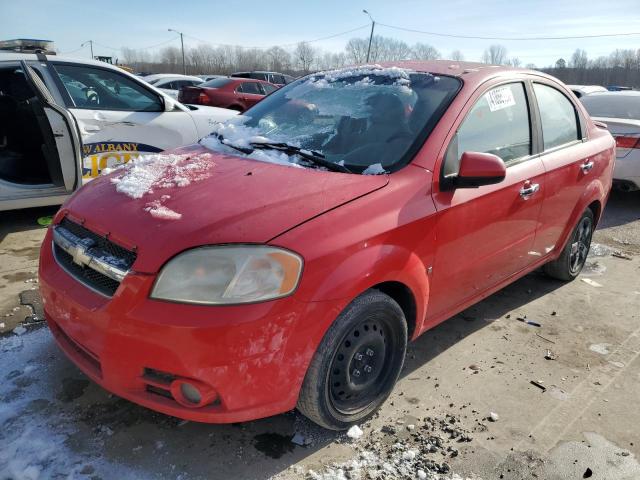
(287, 259)
(234, 93)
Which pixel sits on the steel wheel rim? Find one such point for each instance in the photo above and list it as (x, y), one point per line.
(360, 369)
(580, 245)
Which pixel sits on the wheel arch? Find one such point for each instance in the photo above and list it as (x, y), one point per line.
(592, 198)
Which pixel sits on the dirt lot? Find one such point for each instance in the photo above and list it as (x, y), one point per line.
(571, 415)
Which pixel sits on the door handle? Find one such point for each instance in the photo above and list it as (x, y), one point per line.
(528, 190)
(586, 167)
(91, 128)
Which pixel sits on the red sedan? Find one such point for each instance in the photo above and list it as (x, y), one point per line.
(287, 259)
(234, 93)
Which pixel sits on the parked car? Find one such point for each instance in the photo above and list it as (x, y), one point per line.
(287, 259)
(233, 93)
(580, 90)
(279, 79)
(172, 83)
(620, 111)
(49, 106)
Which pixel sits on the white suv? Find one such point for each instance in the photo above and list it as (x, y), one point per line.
(49, 105)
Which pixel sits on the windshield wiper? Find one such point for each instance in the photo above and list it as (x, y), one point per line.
(311, 156)
(227, 143)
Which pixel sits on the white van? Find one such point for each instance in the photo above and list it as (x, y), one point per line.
(50, 105)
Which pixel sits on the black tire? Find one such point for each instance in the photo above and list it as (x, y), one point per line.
(574, 255)
(357, 363)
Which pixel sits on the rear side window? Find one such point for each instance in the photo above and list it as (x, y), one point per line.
(250, 87)
(101, 89)
(268, 88)
(498, 124)
(558, 117)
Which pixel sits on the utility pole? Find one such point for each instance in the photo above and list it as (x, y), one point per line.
(184, 65)
(90, 42)
(373, 25)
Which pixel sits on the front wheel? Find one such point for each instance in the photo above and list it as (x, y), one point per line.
(357, 363)
(570, 262)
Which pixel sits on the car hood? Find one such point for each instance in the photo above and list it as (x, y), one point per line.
(205, 117)
(233, 200)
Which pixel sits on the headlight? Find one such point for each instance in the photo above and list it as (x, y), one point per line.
(220, 275)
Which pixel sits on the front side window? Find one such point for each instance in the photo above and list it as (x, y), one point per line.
(101, 89)
(360, 118)
(558, 117)
(498, 124)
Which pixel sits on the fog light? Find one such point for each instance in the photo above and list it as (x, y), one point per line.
(190, 393)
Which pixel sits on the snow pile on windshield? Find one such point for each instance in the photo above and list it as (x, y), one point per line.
(227, 137)
(147, 173)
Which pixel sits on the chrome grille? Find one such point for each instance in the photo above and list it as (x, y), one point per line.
(90, 258)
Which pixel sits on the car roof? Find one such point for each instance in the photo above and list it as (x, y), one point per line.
(242, 79)
(8, 56)
(165, 76)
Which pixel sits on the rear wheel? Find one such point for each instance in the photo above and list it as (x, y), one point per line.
(357, 363)
(570, 262)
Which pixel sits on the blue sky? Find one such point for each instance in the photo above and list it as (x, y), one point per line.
(140, 24)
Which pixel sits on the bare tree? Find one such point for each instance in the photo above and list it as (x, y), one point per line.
(495, 55)
(279, 59)
(561, 63)
(457, 56)
(531, 66)
(356, 49)
(422, 51)
(579, 59)
(305, 55)
(514, 62)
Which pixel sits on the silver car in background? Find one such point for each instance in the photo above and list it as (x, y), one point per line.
(621, 112)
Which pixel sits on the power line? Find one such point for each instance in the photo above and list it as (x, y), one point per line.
(281, 45)
(451, 35)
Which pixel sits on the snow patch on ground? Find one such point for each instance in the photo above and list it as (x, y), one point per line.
(354, 432)
(34, 431)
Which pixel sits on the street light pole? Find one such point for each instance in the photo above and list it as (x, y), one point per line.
(90, 42)
(184, 65)
(373, 25)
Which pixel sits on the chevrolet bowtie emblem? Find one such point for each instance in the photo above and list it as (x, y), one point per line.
(80, 256)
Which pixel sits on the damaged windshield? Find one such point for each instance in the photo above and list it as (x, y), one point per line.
(367, 120)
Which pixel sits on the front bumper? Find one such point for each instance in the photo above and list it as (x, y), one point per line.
(254, 356)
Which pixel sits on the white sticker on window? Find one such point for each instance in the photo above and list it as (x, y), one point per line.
(499, 98)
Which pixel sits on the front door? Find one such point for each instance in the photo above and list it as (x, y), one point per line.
(484, 235)
(51, 151)
(119, 118)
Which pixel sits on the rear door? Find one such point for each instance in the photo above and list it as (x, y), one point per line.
(250, 93)
(568, 158)
(484, 235)
(119, 117)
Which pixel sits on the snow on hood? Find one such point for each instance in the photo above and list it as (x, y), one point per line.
(142, 175)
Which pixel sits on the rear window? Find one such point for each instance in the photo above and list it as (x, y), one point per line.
(216, 83)
(612, 106)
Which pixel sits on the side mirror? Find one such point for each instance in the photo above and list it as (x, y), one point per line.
(477, 169)
(169, 104)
